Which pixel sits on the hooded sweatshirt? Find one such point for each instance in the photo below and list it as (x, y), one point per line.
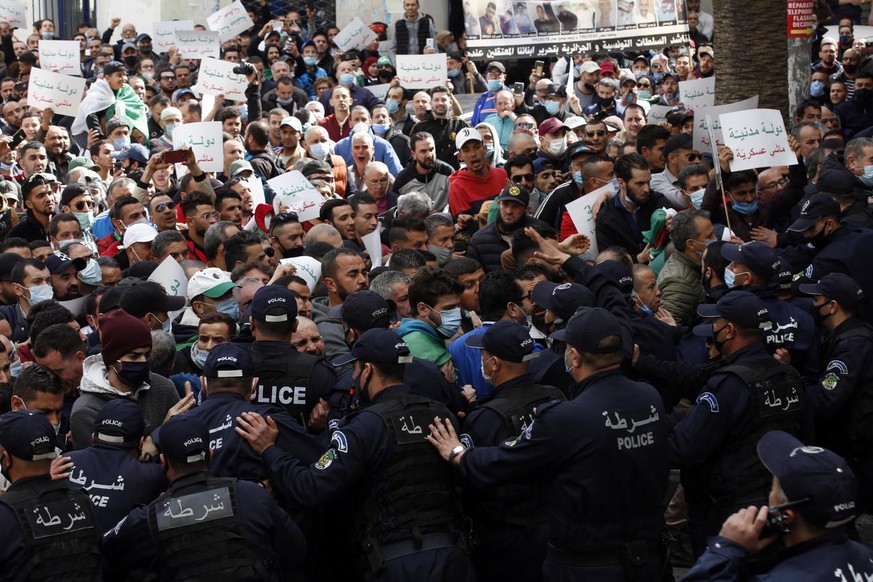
(424, 341)
(154, 399)
(331, 329)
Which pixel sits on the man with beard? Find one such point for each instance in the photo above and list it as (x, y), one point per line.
(63, 271)
(200, 214)
(338, 213)
(478, 181)
(427, 174)
(307, 339)
(856, 113)
(286, 235)
(489, 243)
(343, 273)
(40, 203)
(290, 130)
(443, 126)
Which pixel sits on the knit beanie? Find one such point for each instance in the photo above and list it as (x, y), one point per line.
(121, 333)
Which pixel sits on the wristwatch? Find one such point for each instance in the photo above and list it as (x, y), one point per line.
(455, 452)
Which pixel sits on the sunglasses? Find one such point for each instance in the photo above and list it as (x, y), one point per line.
(165, 206)
(284, 217)
(598, 133)
(519, 178)
(692, 156)
(644, 85)
(83, 204)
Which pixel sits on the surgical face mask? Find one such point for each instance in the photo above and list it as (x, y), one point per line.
(380, 128)
(287, 101)
(92, 274)
(133, 374)
(697, 197)
(643, 307)
(347, 79)
(40, 293)
(745, 207)
(616, 187)
(244, 112)
(169, 128)
(310, 61)
(658, 77)
(577, 177)
(318, 150)
(552, 107)
(644, 94)
(228, 307)
(393, 105)
(166, 325)
(454, 73)
(495, 85)
(47, 35)
(567, 366)
(485, 376)
(6, 167)
(816, 88)
(85, 219)
(451, 322)
(15, 368)
(199, 356)
(867, 178)
(557, 147)
(442, 254)
(121, 143)
(729, 278)
(528, 320)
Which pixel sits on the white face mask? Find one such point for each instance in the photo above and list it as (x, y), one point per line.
(557, 147)
(318, 150)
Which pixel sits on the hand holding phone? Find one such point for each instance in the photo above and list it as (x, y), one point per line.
(175, 156)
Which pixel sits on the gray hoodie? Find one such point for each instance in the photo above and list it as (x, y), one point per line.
(154, 399)
(331, 329)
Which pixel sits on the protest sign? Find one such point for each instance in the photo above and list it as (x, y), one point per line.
(60, 93)
(697, 93)
(757, 138)
(422, 71)
(171, 277)
(197, 44)
(12, 11)
(60, 56)
(217, 78)
(306, 267)
(379, 91)
(205, 139)
(354, 35)
(373, 246)
(701, 135)
(294, 193)
(163, 33)
(230, 21)
(557, 29)
(581, 212)
(657, 114)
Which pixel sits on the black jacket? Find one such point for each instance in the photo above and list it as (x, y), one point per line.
(487, 245)
(614, 228)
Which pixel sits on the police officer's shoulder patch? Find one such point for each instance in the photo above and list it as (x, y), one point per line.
(326, 459)
(829, 382)
(709, 399)
(838, 366)
(338, 438)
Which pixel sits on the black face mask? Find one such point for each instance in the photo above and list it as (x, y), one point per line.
(361, 389)
(589, 86)
(864, 96)
(850, 68)
(718, 345)
(817, 315)
(130, 62)
(295, 252)
(820, 239)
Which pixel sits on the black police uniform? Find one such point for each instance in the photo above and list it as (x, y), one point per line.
(115, 481)
(407, 515)
(47, 532)
(289, 379)
(509, 527)
(208, 528)
(602, 458)
(792, 329)
(714, 445)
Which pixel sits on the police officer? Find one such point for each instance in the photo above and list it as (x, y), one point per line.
(603, 456)
(406, 515)
(286, 378)
(752, 393)
(109, 470)
(47, 530)
(812, 494)
(204, 527)
(510, 528)
(366, 310)
(842, 398)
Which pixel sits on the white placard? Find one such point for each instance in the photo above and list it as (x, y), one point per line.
(230, 21)
(354, 35)
(60, 93)
(217, 78)
(757, 138)
(380, 92)
(171, 277)
(701, 128)
(373, 245)
(12, 11)
(307, 267)
(60, 56)
(197, 44)
(163, 35)
(422, 71)
(657, 114)
(581, 212)
(205, 139)
(257, 188)
(76, 306)
(697, 93)
(294, 193)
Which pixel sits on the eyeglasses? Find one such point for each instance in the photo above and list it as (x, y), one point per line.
(168, 77)
(644, 85)
(83, 204)
(692, 156)
(519, 178)
(598, 133)
(524, 125)
(777, 184)
(165, 206)
(214, 214)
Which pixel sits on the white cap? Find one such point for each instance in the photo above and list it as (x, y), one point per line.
(589, 67)
(293, 122)
(212, 282)
(138, 233)
(574, 121)
(465, 135)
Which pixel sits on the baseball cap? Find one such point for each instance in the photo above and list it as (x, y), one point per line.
(179, 93)
(465, 135)
(183, 439)
(588, 327)
(496, 65)
(149, 297)
(589, 67)
(72, 191)
(680, 141)
(578, 148)
(835, 178)
(563, 300)
(128, 46)
(240, 166)
(442, 34)
(739, 307)
(211, 282)
(114, 124)
(82, 162)
(617, 273)
(58, 262)
(574, 121)
(273, 304)
(229, 360)
(383, 61)
(138, 233)
(363, 310)
(542, 164)
(607, 67)
(379, 346)
(818, 475)
(113, 67)
(555, 90)
(515, 193)
(142, 36)
(293, 122)
(119, 422)
(135, 152)
(28, 435)
(816, 207)
(310, 167)
(551, 125)
(7, 263)
(837, 286)
(760, 258)
(10, 189)
(505, 339)
(707, 50)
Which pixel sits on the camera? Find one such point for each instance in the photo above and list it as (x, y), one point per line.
(244, 68)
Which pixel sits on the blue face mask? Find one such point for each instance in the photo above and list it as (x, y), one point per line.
(729, 278)
(577, 177)
(643, 307)
(658, 77)
(616, 187)
(644, 94)
(697, 197)
(380, 128)
(244, 112)
(228, 307)
(567, 367)
(347, 79)
(454, 73)
(745, 207)
(867, 178)
(495, 85)
(393, 105)
(451, 322)
(40, 293)
(310, 61)
(199, 356)
(121, 143)
(552, 107)
(816, 88)
(15, 368)
(168, 129)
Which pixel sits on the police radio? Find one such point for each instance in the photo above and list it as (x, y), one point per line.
(777, 521)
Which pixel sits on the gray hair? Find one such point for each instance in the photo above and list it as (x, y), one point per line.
(321, 233)
(163, 240)
(383, 283)
(215, 235)
(684, 228)
(363, 136)
(414, 203)
(436, 220)
(163, 353)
